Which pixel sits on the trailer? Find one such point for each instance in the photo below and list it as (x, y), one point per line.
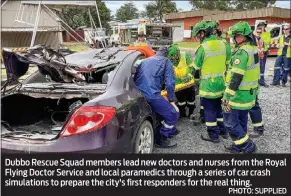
(157, 33)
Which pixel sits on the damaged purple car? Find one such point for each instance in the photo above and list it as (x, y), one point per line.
(82, 102)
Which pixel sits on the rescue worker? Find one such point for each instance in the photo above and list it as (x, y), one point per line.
(256, 111)
(241, 92)
(141, 41)
(283, 60)
(150, 76)
(183, 74)
(217, 31)
(210, 64)
(266, 37)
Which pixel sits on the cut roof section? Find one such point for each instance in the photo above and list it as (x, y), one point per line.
(258, 13)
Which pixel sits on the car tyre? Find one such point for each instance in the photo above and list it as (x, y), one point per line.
(144, 139)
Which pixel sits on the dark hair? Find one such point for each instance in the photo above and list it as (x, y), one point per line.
(219, 32)
(251, 38)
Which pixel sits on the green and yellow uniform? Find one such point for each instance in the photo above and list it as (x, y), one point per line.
(281, 43)
(242, 88)
(243, 63)
(184, 79)
(183, 71)
(211, 58)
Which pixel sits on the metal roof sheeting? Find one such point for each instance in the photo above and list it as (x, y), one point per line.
(265, 12)
(190, 14)
(22, 39)
(231, 15)
(19, 29)
(63, 3)
(162, 25)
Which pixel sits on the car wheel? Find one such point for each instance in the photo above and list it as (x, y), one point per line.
(144, 139)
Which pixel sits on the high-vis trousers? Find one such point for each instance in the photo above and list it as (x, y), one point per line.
(256, 117)
(186, 98)
(282, 64)
(236, 122)
(168, 113)
(213, 117)
(262, 68)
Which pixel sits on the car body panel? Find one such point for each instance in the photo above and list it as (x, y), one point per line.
(118, 135)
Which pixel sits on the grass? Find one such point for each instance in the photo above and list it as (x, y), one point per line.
(76, 46)
(187, 44)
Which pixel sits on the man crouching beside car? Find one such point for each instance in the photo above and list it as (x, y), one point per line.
(150, 76)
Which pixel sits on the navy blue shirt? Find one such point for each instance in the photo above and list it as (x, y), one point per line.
(286, 39)
(152, 73)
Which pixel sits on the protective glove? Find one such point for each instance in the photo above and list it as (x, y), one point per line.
(174, 105)
(226, 106)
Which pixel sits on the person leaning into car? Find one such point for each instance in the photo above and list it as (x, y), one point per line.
(150, 76)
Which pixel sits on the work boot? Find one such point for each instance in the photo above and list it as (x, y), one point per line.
(210, 138)
(284, 85)
(164, 142)
(274, 84)
(198, 121)
(264, 85)
(258, 131)
(175, 133)
(224, 134)
(191, 110)
(182, 110)
(202, 119)
(246, 148)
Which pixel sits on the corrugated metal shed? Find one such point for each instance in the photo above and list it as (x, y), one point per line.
(22, 39)
(259, 13)
(193, 13)
(62, 4)
(162, 25)
(19, 29)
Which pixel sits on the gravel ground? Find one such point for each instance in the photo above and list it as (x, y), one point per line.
(275, 104)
